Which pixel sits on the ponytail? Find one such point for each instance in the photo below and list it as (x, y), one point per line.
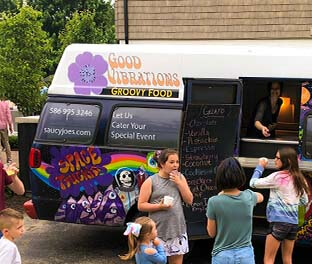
(133, 248)
(136, 232)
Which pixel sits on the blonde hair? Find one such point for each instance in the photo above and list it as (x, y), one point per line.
(133, 241)
(7, 217)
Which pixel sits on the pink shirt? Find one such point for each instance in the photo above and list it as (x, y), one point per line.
(5, 115)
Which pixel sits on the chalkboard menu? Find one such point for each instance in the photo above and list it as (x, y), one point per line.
(209, 134)
(70, 123)
(145, 127)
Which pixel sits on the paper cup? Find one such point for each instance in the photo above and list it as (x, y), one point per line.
(168, 200)
(264, 159)
(9, 171)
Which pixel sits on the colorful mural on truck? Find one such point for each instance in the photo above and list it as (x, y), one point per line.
(305, 216)
(305, 109)
(95, 188)
(305, 212)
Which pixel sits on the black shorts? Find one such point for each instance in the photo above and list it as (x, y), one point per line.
(282, 231)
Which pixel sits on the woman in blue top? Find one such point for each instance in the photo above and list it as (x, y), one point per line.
(143, 242)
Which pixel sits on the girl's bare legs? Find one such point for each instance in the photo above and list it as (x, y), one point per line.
(176, 259)
(271, 248)
(287, 250)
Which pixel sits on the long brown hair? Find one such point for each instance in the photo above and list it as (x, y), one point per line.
(133, 241)
(289, 159)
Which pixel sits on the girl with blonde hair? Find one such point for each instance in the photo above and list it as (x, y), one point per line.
(143, 242)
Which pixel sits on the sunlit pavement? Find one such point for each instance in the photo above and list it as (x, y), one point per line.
(201, 253)
(14, 156)
(48, 242)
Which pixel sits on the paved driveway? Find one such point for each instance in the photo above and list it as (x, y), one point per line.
(48, 242)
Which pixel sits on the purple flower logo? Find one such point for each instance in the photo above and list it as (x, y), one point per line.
(87, 73)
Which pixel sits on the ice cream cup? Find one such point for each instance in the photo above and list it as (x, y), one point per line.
(168, 200)
(264, 158)
(9, 171)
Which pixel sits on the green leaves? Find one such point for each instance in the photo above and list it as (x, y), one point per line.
(80, 29)
(24, 55)
(10, 6)
(33, 38)
(58, 12)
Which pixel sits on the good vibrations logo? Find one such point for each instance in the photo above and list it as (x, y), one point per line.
(127, 70)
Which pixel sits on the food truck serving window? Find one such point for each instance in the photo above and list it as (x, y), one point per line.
(144, 127)
(68, 123)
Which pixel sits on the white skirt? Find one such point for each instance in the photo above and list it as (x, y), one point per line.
(176, 246)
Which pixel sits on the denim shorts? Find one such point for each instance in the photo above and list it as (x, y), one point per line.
(282, 231)
(244, 255)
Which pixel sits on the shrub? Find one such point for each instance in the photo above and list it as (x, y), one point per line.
(13, 140)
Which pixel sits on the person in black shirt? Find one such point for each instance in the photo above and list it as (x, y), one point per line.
(264, 120)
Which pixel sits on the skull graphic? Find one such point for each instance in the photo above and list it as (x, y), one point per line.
(125, 179)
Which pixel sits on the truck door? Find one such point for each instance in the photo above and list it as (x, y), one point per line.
(210, 133)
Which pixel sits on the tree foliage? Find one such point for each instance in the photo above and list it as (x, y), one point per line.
(56, 14)
(80, 29)
(24, 54)
(10, 6)
(31, 42)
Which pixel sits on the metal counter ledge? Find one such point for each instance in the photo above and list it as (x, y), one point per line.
(253, 162)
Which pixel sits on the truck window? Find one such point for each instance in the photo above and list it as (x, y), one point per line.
(68, 123)
(144, 127)
(212, 92)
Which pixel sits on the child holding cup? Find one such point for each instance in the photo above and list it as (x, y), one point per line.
(161, 196)
(8, 177)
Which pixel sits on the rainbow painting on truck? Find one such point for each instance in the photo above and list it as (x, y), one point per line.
(95, 188)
